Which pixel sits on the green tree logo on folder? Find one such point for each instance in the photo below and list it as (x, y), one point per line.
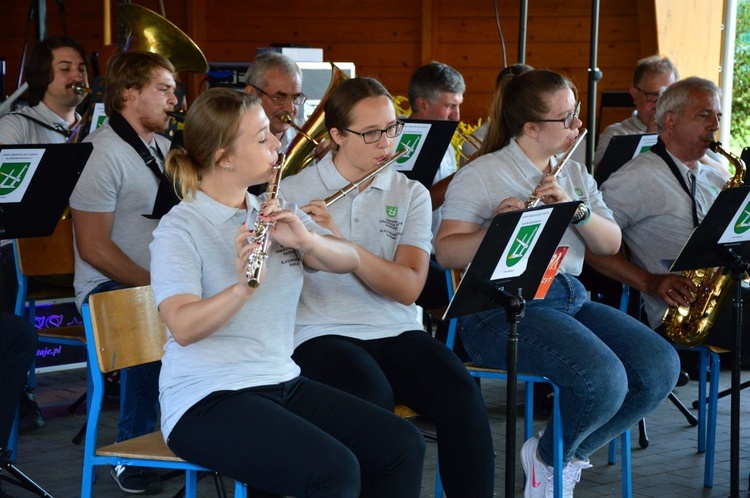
(743, 222)
(409, 141)
(521, 245)
(11, 176)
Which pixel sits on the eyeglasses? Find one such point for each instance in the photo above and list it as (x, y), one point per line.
(567, 121)
(650, 96)
(372, 136)
(282, 98)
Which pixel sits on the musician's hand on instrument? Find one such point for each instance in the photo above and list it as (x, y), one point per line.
(550, 192)
(507, 205)
(674, 290)
(243, 247)
(288, 230)
(318, 211)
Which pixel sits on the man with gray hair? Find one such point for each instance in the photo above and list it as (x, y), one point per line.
(652, 75)
(659, 197)
(277, 81)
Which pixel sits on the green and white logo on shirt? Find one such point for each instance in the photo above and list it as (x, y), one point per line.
(391, 211)
(578, 192)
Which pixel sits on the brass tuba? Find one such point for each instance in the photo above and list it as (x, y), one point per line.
(689, 326)
(301, 150)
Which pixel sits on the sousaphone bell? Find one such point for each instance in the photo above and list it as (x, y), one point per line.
(149, 32)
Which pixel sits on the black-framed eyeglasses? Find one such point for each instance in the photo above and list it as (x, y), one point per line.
(282, 98)
(650, 96)
(567, 121)
(372, 136)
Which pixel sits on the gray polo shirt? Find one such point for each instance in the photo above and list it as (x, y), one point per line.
(116, 180)
(655, 213)
(193, 253)
(481, 185)
(390, 212)
(16, 129)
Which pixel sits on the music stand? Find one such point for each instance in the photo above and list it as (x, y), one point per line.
(426, 142)
(620, 150)
(723, 239)
(35, 184)
(506, 271)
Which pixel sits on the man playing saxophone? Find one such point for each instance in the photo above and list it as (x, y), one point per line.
(657, 205)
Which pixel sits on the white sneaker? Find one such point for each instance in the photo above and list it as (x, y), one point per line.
(572, 474)
(538, 476)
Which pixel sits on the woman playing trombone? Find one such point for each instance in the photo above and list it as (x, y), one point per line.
(611, 369)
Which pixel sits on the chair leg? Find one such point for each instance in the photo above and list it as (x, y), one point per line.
(683, 409)
(642, 434)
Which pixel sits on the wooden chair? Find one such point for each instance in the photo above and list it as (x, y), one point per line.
(47, 256)
(124, 329)
(452, 278)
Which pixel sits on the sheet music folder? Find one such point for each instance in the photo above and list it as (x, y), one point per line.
(429, 140)
(507, 233)
(726, 226)
(35, 186)
(620, 150)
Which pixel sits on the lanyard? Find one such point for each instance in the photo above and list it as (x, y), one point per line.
(661, 150)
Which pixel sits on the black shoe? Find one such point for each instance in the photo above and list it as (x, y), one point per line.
(136, 480)
(682, 379)
(29, 413)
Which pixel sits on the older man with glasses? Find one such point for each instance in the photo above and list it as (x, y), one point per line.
(651, 77)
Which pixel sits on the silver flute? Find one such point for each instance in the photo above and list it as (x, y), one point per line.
(261, 238)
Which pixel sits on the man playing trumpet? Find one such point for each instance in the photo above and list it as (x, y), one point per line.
(55, 65)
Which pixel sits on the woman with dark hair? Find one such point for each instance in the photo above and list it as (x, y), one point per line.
(611, 369)
(360, 332)
(231, 396)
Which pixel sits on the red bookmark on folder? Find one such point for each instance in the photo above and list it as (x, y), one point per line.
(549, 274)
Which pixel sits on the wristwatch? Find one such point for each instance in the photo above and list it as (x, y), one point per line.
(582, 215)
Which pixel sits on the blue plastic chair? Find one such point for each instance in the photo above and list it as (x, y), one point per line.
(123, 329)
(529, 381)
(709, 361)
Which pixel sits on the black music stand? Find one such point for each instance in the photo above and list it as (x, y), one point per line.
(428, 140)
(723, 239)
(35, 184)
(506, 271)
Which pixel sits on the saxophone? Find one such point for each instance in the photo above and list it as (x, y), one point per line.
(262, 232)
(689, 326)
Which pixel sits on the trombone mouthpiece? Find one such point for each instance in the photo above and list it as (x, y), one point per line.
(80, 88)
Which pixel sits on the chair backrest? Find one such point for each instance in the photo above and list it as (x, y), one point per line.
(127, 329)
(615, 105)
(52, 255)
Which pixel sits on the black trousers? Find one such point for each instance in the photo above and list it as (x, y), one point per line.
(422, 373)
(302, 438)
(18, 341)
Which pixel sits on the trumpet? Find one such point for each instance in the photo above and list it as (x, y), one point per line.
(80, 88)
(377, 169)
(534, 199)
(262, 234)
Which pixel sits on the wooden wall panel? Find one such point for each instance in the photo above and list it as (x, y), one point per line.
(390, 38)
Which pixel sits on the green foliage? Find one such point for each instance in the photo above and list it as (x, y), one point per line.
(740, 126)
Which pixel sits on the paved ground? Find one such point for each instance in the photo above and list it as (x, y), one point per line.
(669, 467)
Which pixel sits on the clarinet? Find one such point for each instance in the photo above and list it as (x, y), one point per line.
(262, 232)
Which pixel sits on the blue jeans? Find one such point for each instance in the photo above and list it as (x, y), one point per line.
(611, 369)
(141, 394)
